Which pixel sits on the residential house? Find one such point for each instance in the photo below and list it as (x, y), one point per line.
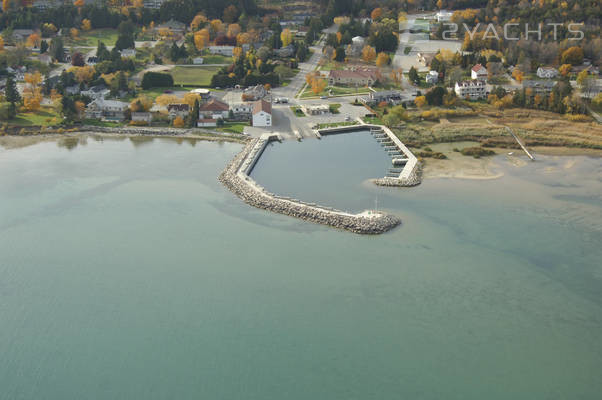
(178, 110)
(42, 4)
(302, 31)
(353, 77)
(389, 96)
(253, 93)
(176, 27)
(222, 50)
(142, 117)
(432, 77)
(478, 72)
(20, 35)
(96, 92)
(547, 72)
(206, 122)
(92, 60)
(214, 109)
(128, 53)
(262, 113)
(17, 72)
(155, 4)
(197, 60)
(473, 89)
(243, 110)
(539, 86)
(111, 110)
(425, 58)
(286, 51)
(45, 59)
(72, 90)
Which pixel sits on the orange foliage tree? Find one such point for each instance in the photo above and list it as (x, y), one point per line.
(368, 54)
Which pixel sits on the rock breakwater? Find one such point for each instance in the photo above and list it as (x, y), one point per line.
(235, 178)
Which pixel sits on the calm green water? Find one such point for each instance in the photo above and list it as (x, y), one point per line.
(127, 271)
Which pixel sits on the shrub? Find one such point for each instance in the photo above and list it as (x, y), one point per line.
(477, 152)
(156, 79)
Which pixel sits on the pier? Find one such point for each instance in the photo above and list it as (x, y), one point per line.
(520, 143)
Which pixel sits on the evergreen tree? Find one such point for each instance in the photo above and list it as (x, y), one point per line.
(57, 49)
(43, 47)
(102, 52)
(12, 95)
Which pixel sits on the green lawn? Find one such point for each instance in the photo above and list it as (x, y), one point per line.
(193, 76)
(232, 127)
(108, 36)
(333, 124)
(297, 111)
(45, 116)
(96, 122)
(216, 59)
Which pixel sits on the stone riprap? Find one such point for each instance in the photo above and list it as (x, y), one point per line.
(235, 177)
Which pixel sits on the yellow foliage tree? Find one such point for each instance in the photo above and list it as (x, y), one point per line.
(83, 74)
(32, 94)
(237, 52)
(286, 36)
(243, 38)
(80, 106)
(565, 69)
(199, 41)
(190, 98)
(341, 20)
(233, 30)
(178, 122)
(217, 25)
(420, 101)
(79, 3)
(339, 37)
(382, 59)
(396, 75)
(318, 85)
(166, 99)
(517, 74)
(368, 54)
(197, 21)
(1, 43)
(141, 103)
(74, 32)
(5, 5)
(86, 24)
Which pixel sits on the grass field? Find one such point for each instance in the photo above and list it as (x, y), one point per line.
(45, 116)
(193, 76)
(108, 36)
(232, 127)
(216, 59)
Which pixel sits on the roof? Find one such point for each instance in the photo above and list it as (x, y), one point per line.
(472, 82)
(539, 83)
(110, 103)
(178, 107)
(547, 69)
(478, 68)
(262, 105)
(214, 105)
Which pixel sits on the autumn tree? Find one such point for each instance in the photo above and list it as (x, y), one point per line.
(420, 101)
(6, 5)
(243, 38)
(216, 25)
(197, 21)
(178, 122)
(86, 24)
(396, 75)
(572, 55)
(286, 36)
(1, 43)
(318, 85)
(74, 33)
(565, 69)
(237, 52)
(342, 20)
(199, 42)
(233, 30)
(141, 103)
(382, 59)
(517, 74)
(230, 13)
(32, 94)
(166, 99)
(368, 54)
(376, 13)
(78, 60)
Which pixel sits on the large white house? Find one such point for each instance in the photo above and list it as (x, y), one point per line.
(262, 113)
(547, 72)
(223, 50)
(474, 89)
(443, 16)
(478, 72)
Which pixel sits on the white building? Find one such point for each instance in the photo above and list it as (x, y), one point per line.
(316, 109)
(443, 16)
(242, 110)
(478, 72)
(547, 72)
(223, 50)
(145, 117)
(128, 53)
(197, 60)
(432, 77)
(474, 89)
(262, 113)
(153, 3)
(111, 110)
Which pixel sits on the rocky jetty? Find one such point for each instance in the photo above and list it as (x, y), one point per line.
(235, 178)
(414, 178)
